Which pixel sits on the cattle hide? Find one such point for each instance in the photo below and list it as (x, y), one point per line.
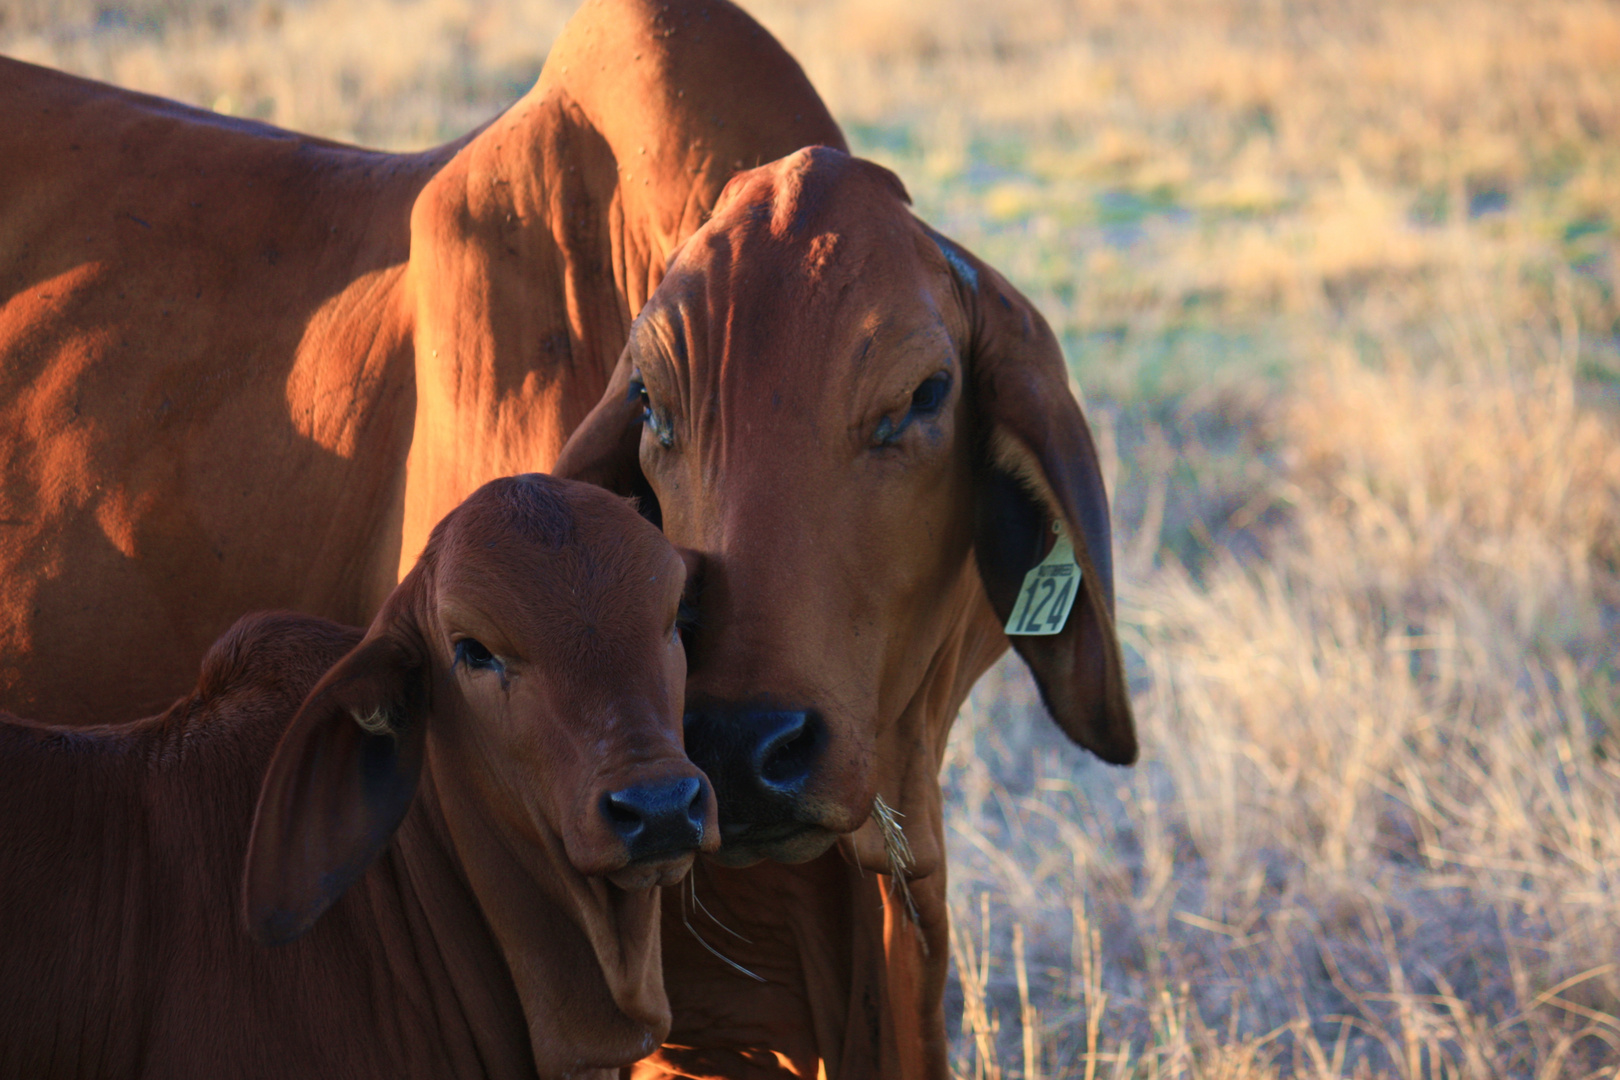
(242, 368)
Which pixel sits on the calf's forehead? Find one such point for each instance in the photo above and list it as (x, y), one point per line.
(539, 552)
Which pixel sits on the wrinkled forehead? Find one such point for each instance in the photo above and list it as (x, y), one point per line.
(816, 248)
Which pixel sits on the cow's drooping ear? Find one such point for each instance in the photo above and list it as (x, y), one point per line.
(340, 782)
(605, 449)
(1038, 482)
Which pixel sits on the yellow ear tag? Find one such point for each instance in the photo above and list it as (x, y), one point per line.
(1048, 593)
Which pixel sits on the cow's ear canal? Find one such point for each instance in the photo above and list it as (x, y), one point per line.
(1009, 529)
(340, 782)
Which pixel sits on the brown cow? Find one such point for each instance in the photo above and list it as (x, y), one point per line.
(869, 435)
(242, 368)
(480, 794)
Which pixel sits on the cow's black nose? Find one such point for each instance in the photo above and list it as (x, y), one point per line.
(760, 760)
(785, 751)
(658, 819)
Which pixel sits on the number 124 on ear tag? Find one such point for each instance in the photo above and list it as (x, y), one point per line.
(1048, 592)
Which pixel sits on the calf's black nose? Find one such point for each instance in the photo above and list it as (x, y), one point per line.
(760, 760)
(658, 819)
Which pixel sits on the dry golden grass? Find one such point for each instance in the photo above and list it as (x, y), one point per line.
(1377, 828)
(1338, 280)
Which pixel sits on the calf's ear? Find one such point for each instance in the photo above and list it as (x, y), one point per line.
(1038, 481)
(340, 782)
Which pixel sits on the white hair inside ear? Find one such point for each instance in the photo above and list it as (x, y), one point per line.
(375, 722)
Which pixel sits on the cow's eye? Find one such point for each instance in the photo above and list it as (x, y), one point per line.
(476, 657)
(638, 393)
(927, 399)
(661, 427)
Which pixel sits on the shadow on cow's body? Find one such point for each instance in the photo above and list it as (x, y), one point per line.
(242, 368)
(869, 436)
(463, 817)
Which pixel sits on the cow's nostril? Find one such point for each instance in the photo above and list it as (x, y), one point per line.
(657, 820)
(787, 754)
(697, 808)
(762, 761)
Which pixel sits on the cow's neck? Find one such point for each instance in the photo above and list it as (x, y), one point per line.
(912, 745)
(531, 251)
(854, 973)
(434, 911)
(780, 966)
(845, 987)
(350, 392)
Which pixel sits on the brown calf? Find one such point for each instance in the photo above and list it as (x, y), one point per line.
(869, 435)
(480, 794)
(242, 368)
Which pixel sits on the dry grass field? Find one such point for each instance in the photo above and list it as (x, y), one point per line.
(1337, 280)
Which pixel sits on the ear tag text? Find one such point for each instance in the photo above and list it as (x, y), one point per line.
(1049, 590)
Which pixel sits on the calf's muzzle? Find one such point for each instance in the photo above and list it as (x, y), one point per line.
(658, 820)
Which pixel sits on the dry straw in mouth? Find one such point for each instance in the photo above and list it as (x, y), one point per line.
(898, 849)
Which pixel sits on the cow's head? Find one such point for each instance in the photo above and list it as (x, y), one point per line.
(526, 680)
(870, 437)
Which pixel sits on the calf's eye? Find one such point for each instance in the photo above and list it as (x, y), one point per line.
(473, 654)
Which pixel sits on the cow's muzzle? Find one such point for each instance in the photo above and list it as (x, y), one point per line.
(761, 762)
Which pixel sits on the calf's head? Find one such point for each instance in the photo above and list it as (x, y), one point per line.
(869, 436)
(527, 677)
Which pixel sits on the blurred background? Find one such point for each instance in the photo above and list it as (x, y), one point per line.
(1336, 281)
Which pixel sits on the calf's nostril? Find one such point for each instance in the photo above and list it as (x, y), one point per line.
(658, 819)
(623, 814)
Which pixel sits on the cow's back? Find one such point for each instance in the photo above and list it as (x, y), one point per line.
(241, 368)
(165, 275)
